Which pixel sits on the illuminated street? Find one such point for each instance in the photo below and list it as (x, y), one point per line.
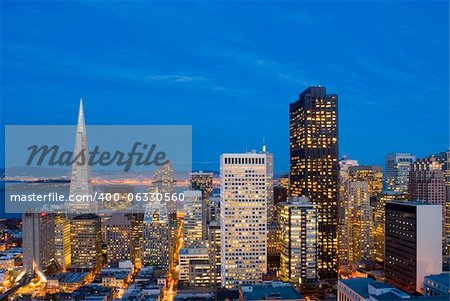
(169, 292)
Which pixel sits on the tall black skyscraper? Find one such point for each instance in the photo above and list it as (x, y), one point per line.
(314, 170)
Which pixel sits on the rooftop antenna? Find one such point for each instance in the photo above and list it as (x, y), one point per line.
(264, 145)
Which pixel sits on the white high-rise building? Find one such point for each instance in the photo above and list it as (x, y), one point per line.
(243, 218)
(397, 171)
(193, 215)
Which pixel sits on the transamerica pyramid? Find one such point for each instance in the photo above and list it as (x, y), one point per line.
(80, 180)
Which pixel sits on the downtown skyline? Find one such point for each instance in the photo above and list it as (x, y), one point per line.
(381, 81)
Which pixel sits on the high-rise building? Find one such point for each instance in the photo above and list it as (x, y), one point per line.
(203, 181)
(343, 212)
(214, 253)
(214, 208)
(379, 221)
(314, 169)
(413, 246)
(156, 236)
(117, 197)
(164, 182)
(444, 159)
(195, 267)
(193, 218)
(86, 242)
(80, 180)
(117, 229)
(280, 194)
(270, 191)
(372, 174)
(62, 241)
(273, 247)
(360, 222)
(298, 241)
(283, 181)
(427, 183)
(136, 223)
(38, 234)
(243, 218)
(397, 171)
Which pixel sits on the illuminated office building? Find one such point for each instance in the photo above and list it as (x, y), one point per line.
(379, 221)
(243, 218)
(86, 242)
(397, 171)
(38, 234)
(427, 183)
(62, 241)
(280, 194)
(373, 175)
(203, 181)
(156, 237)
(314, 167)
(136, 223)
(444, 159)
(214, 208)
(193, 218)
(194, 267)
(343, 211)
(413, 245)
(214, 253)
(117, 229)
(164, 182)
(118, 197)
(283, 181)
(273, 247)
(360, 222)
(298, 241)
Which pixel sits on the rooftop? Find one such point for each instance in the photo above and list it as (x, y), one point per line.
(270, 290)
(359, 285)
(442, 278)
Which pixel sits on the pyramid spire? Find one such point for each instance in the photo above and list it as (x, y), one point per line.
(81, 114)
(80, 180)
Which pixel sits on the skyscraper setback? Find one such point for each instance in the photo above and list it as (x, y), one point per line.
(314, 169)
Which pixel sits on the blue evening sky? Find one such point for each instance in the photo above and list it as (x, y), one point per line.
(231, 69)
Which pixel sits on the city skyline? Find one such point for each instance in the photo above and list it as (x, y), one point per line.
(241, 151)
(379, 91)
